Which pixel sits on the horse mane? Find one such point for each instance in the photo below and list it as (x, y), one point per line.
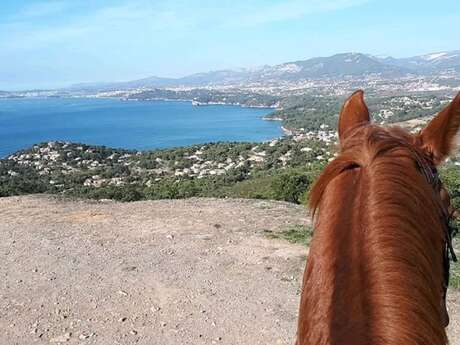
(395, 243)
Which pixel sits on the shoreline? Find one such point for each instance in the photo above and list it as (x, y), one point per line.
(287, 131)
(126, 99)
(281, 131)
(272, 118)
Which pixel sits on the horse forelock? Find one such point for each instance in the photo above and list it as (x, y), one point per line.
(361, 149)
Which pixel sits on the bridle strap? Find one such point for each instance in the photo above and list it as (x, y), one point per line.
(432, 176)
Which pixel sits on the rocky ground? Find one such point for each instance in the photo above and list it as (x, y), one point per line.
(196, 271)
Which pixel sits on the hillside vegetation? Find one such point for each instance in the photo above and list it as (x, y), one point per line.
(308, 112)
(280, 169)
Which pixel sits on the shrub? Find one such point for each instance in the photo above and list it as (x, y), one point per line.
(292, 185)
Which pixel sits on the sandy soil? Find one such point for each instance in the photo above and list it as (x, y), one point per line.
(196, 271)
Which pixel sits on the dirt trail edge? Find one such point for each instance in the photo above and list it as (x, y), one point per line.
(195, 271)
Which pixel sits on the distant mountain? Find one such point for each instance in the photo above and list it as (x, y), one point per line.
(428, 63)
(215, 77)
(336, 66)
(145, 82)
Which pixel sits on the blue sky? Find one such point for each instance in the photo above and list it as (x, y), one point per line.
(46, 44)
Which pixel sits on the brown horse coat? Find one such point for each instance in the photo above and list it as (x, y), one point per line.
(374, 273)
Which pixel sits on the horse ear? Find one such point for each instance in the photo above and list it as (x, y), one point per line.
(438, 137)
(354, 113)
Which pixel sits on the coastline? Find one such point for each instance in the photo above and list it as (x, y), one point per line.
(196, 103)
(287, 131)
(241, 120)
(266, 118)
(133, 99)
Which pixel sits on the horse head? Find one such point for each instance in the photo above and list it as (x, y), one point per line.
(378, 267)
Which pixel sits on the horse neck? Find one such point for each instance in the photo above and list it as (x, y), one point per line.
(374, 271)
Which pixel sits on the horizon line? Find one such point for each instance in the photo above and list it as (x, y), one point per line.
(72, 84)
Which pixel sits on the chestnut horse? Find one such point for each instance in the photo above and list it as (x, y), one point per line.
(377, 270)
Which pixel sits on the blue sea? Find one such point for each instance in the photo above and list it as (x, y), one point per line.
(127, 124)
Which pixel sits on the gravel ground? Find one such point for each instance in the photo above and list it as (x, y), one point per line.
(196, 271)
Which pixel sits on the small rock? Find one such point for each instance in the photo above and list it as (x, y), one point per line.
(129, 268)
(155, 309)
(122, 319)
(133, 332)
(123, 293)
(61, 339)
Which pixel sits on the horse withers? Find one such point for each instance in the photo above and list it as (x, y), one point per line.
(378, 265)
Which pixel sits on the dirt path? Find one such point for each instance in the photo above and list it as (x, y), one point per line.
(197, 271)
